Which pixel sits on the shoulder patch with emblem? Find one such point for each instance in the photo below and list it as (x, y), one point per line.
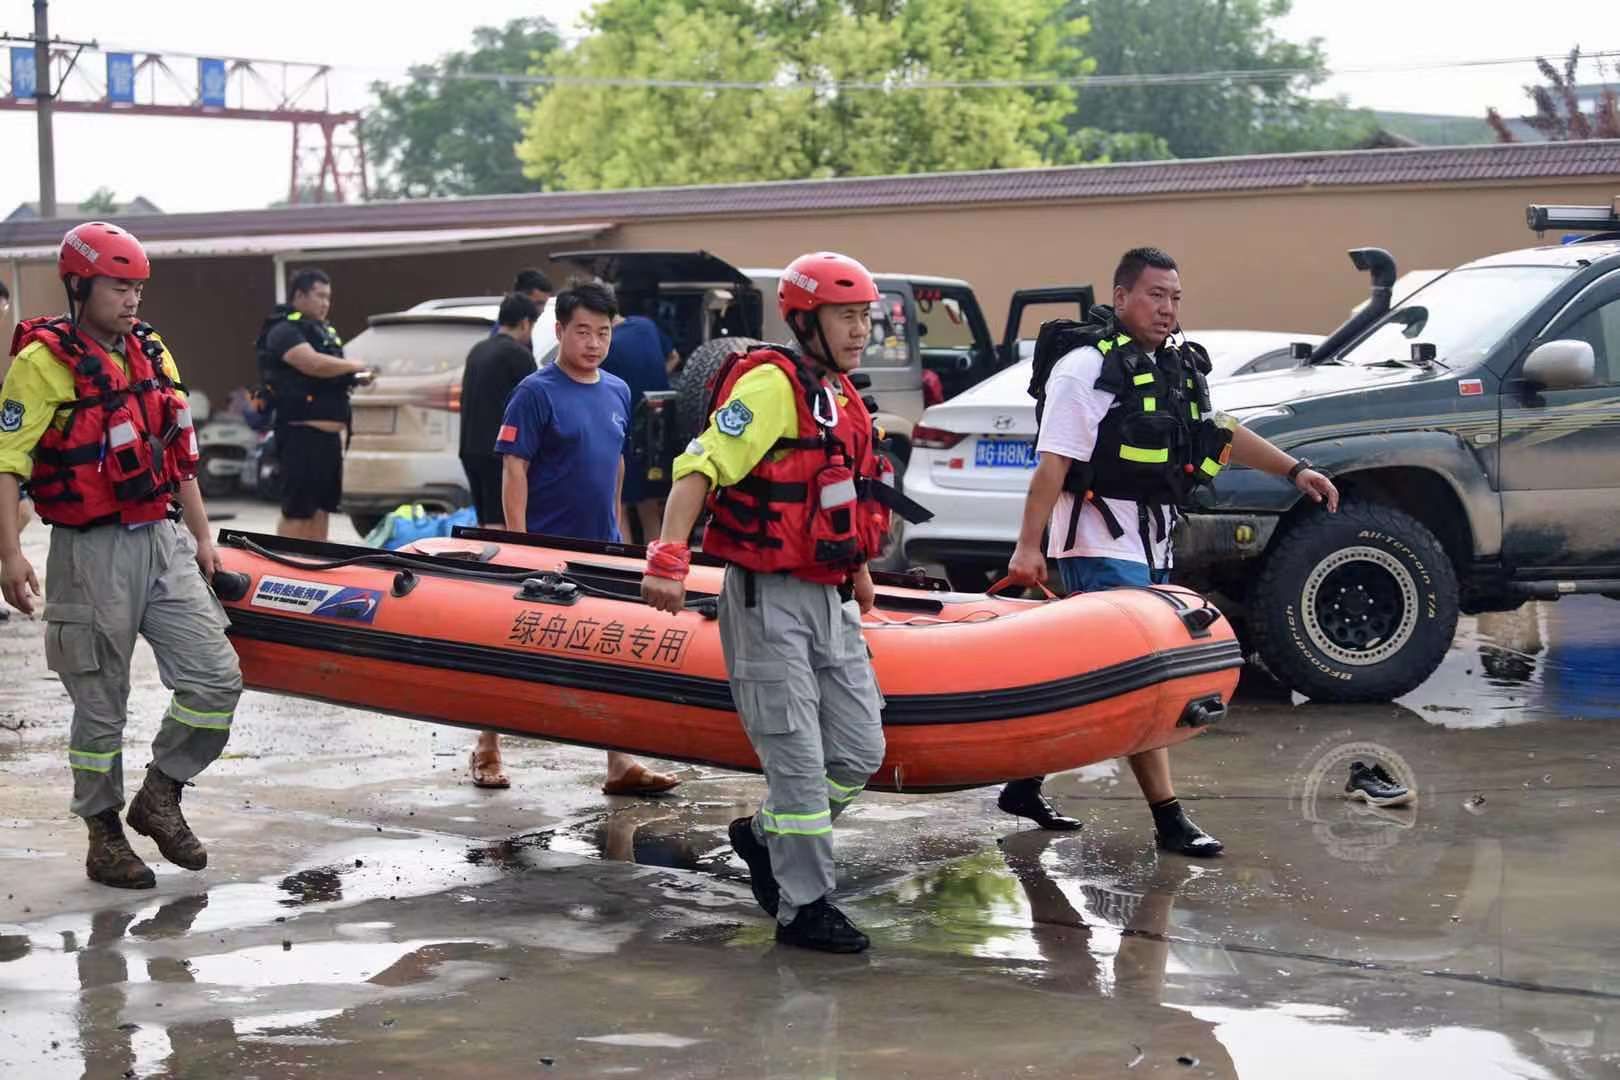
(734, 419)
(11, 415)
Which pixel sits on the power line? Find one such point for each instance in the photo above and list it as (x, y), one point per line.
(1136, 79)
(1144, 79)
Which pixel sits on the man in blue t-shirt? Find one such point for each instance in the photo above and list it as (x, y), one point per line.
(640, 355)
(562, 441)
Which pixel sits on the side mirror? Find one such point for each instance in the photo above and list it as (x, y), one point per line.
(1561, 365)
(1300, 353)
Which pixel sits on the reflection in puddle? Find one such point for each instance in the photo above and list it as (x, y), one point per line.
(1547, 660)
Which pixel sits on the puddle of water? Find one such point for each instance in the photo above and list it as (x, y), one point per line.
(324, 962)
(647, 1039)
(1546, 661)
(1278, 1042)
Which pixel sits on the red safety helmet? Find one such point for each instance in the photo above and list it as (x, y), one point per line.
(97, 249)
(825, 277)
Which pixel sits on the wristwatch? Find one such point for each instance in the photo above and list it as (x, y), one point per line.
(1299, 466)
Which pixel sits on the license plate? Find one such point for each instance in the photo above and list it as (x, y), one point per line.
(375, 421)
(1004, 454)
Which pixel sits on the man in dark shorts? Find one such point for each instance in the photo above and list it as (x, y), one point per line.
(494, 368)
(301, 360)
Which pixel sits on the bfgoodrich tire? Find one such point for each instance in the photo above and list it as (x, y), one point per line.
(1355, 606)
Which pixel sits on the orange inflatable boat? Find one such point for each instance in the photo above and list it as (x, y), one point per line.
(549, 638)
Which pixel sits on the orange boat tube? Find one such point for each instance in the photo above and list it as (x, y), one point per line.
(548, 638)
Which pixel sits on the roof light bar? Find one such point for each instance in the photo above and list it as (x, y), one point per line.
(1579, 218)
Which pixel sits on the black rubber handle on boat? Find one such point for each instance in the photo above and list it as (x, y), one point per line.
(231, 586)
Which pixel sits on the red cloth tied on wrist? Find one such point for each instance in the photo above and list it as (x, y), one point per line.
(669, 559)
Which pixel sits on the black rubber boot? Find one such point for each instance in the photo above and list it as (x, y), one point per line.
(1176, 832)
(1023, 798)
(824, 928)
(110, 860)
(758, 857)
(155, 813)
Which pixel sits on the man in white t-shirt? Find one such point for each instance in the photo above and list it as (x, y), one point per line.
(1114, 542)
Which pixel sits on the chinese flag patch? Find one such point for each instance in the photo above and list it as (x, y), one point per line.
(508, 433)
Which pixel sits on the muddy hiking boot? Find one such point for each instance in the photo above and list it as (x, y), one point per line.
(824, 928)
(1024, 798)
(110, 860)
(1375, 786)
(758, 857)
(155, 813)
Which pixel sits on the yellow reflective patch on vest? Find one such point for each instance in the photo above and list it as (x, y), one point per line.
(1210, 466)
(1194, 407)
(1104, 346)
(1150, 404)
(294, 316)
(1142, 379)
(1145, 456)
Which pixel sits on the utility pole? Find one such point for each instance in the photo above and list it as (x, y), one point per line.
(42, 106)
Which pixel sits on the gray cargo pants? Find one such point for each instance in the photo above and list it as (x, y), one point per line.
(803, 683)
(102, 587)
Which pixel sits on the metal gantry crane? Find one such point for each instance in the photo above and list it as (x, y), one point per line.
(87, 77)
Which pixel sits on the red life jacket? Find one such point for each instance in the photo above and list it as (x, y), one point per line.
(816, 511)
(128, 441)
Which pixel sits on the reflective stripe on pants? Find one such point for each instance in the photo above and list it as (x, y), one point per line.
(804, 687)
(103, 588)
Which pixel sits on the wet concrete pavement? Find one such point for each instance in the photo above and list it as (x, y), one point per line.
(366, 912)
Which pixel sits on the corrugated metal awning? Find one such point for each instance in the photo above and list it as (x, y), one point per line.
(355, 244)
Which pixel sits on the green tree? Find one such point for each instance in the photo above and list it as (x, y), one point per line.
(805, 118)
(103, 200)
(441, 133)
(1206, 119)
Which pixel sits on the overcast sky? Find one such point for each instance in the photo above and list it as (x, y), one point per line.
(216, 164)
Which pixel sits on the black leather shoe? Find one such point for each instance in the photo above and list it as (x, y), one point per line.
(1180, 836)
(824, 928)
(758, 857)
(1023, 798)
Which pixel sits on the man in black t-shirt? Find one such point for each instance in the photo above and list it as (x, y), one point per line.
(494, 368)
(301, 360)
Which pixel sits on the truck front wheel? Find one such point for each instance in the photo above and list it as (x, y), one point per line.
(1360, 605)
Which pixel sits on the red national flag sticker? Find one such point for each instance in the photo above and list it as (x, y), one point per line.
(1470, 387)
(508, 433)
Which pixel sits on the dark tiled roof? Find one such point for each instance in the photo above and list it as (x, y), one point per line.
(1424, 165)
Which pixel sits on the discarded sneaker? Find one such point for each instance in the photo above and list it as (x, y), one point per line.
(1176, 833)
(758, 857)
(110, 860)
(155, 813)
(1378, 771)
(822, 927)
(1024, 798)
(1373, 785)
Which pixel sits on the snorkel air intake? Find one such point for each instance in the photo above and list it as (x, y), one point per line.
(1380, 265)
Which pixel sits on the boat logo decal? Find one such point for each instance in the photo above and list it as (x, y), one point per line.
(317, 598)
(547, 631)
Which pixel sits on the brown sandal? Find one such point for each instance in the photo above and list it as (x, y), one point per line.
(485, 766)
(641, 780)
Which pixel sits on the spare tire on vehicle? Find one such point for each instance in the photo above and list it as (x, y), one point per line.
(691, 383)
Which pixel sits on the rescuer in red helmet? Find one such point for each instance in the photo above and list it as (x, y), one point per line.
(93, 419)
(789, 472)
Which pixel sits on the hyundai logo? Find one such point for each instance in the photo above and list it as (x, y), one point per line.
(1002, 423)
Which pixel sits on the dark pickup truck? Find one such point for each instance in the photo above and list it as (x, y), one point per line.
(1474, 431)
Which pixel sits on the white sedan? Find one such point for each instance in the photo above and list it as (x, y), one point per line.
(972, 456)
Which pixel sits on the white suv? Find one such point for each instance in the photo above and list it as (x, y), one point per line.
(407, 425)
